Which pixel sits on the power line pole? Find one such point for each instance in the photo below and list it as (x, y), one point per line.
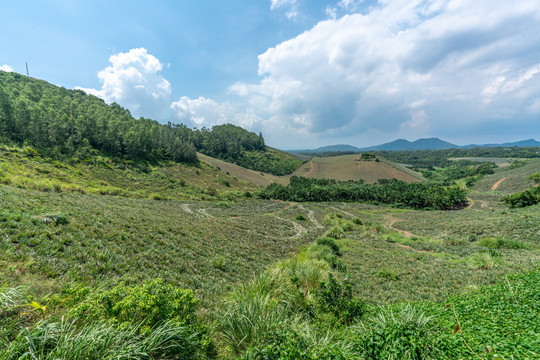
(27, 73)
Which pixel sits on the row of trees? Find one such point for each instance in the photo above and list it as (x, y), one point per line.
(385, 192)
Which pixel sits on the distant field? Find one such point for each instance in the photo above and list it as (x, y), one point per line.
(346, 167)
(252, 176)
(514, 179)
(501, 162)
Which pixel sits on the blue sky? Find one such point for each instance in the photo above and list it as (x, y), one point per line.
(305, 73)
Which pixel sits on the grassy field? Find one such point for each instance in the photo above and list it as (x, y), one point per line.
(515, 180)
(251, 176)
(25, 169)
(101, 224)
(347, 167)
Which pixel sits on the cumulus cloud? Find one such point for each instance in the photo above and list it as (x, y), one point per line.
(204, 112)
(436, 66)
(291, 7)
(133, 80)
(6, 68)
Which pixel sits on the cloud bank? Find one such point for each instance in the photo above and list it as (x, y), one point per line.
(404, 68)
(133, 80)
(6, 68)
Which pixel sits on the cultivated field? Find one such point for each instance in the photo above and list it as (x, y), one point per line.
(348, 167)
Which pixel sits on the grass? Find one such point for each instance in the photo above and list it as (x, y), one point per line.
(104, 176)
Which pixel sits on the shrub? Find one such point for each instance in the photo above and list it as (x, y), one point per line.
(501, 243)
(52, 219)
(150, 303)
(387, 274)
(336, 299)
(335, 232)
(331, 243)
(300, 217)
(485, 260)
(406, 334)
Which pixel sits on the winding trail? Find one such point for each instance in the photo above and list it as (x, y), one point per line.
(471, 203)
(186, 208)
(342, 211)
(205, 213)
(300, 230)
(496, 185)
(392, 221)
(311, 216)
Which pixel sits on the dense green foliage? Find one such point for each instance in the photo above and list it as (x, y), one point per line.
(525, 198)
(390, 192)
(70, 123)
(439, 158)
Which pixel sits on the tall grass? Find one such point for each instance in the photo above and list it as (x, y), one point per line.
(253, 313)
(101, 340)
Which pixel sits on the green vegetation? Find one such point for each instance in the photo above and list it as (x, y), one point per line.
(389, 192)
(110, 253)
(525, 198)
(441, 158)
(69, 124)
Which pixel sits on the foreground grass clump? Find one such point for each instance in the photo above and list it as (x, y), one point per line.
(150, 321)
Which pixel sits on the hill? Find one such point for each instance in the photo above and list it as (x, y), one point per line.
(420, 144)
(510, 180)
(348, 167)
(328, 149)
(69, 124)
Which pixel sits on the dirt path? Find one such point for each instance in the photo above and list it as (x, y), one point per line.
(496, 185)
(392, 221)
(205, 213)
(311, 168)
(471, 203)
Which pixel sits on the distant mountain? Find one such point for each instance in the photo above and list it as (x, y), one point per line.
(522, 143)
(420, 144)
(326, 149)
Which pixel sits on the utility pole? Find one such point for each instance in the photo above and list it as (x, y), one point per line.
(27, 73)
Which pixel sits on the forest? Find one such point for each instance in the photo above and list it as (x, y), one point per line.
(69, 124)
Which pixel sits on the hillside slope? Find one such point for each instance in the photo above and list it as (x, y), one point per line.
(510, 180)
(347, 167)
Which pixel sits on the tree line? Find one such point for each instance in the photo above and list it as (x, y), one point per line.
(385, 192)
(66, 123)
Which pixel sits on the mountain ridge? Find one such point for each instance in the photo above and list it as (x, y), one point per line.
(419, 144)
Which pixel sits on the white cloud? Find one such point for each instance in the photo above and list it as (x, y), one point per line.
(459, 64)
(204, 112)
(6, 68)
(290, 5)
(133, 80)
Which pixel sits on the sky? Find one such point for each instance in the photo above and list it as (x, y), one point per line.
(305, 73)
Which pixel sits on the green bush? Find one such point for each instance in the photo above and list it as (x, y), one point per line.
(335, 298)
(150, 303)
(331, 243)
(335, 232)
(300, 217)
(522, 199)
(406, 334)
(501, 243)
